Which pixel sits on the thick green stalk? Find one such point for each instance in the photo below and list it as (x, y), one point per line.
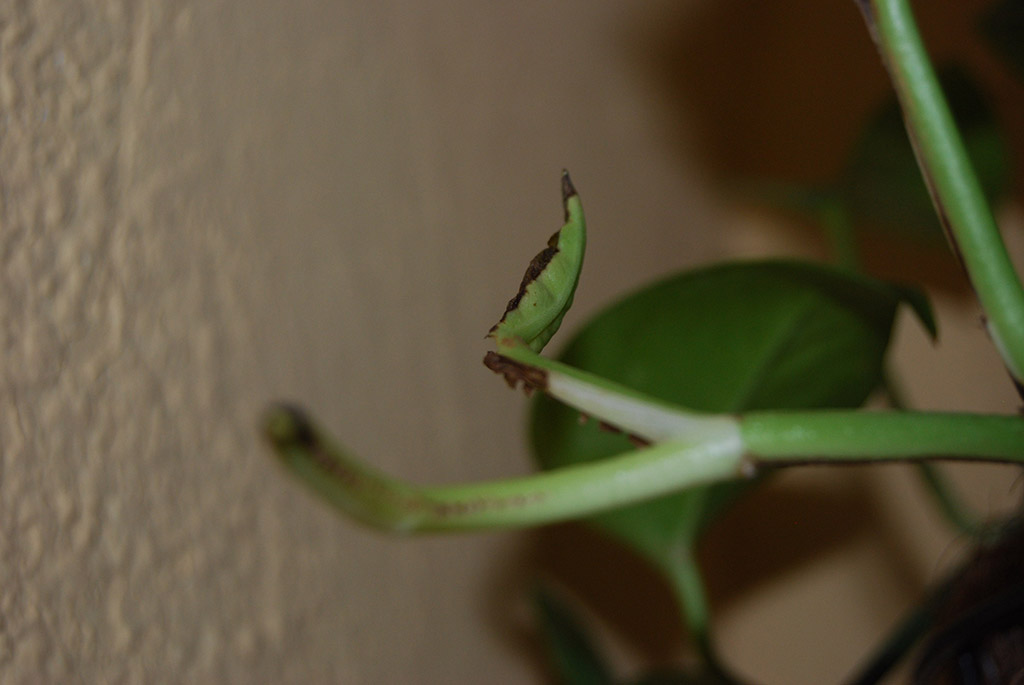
(954, 186)
(944, 495)
(830, 437)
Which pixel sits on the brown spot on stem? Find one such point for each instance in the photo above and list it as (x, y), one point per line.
(341, 472)
(638, 441)
(634, 439)
(514, 372)
(482, 505)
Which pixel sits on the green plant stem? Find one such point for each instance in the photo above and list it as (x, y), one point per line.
(689, 449)
(577, 491)
(571, 652)
(830, 437)
(958, 515)
(944, 495)
(573, 492)
(818, 435)
(951, 180)
(686, 579)
(628, 410)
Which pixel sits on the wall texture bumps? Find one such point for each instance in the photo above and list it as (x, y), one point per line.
(207, 206)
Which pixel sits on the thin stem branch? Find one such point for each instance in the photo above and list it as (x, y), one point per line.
(956, 192)
(630, 411)
(956, 513)
(688, 583)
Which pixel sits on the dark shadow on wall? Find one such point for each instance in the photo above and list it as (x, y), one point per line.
(779, 91)
(752, 80)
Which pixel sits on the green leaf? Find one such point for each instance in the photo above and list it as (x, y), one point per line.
(1002, 25)
(575, 659)
(548, 286)
(882, 184)
(730, 338)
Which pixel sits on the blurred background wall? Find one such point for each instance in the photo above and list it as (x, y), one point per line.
(207, 206)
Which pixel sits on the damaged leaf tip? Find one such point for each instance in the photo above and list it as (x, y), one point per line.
(546, 291)
(568, 190)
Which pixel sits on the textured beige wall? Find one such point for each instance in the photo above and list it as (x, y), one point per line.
(209, 205)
